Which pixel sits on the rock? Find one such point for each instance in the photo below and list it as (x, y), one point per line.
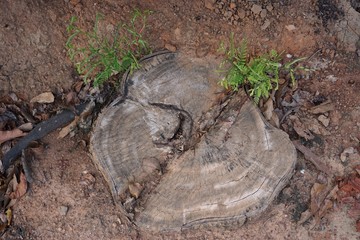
(63, 210)
(232, 5)
(346, 153)
(265, 25)
(331, 78)
(170, 47)
(263, 13)
(177, 33)
(26, 127)
(241, 13)
(290, 27)
(324, 120)
(46, 97)
(269, 7)
(256, 9)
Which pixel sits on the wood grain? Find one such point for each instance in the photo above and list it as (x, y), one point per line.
(229, 173)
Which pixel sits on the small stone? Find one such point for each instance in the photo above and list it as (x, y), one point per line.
(232, 5)
(269, 7)
(26, 127)
(324, 120)
(170, 47)
(290, 27)
(263, 13)
(265, 25)
(177, 33)
(63, 210)
(241, 13)
(346, 153)
(256, 9)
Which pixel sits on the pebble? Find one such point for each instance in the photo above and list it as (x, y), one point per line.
(290, 27)
(26, 127)
(263, 13)
(63, 210)
(265, 25)
(345, 154)
(324, 120)
(256, 9)
(241, 13)
(269, 7)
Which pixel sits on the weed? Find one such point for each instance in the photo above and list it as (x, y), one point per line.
(99, 56)
(260, 74)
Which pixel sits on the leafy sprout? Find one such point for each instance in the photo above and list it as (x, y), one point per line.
(98, 56)
(259, 74)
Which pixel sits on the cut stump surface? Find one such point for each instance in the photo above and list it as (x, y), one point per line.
(198, 160)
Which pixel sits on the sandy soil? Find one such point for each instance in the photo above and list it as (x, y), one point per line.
(70, 199)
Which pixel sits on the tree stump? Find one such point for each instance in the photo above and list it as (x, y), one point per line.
(177, 154)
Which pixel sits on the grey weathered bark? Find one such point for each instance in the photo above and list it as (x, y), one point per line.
(224, 162)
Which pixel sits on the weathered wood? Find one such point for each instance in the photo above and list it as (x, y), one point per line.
(229, 173)
(234, 173)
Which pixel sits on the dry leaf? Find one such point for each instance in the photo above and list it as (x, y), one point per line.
(275, 121)
(46, 97)
(8, 135)
(78, 85)
(317, 192)
(268, 109)
(67, 129)
(20, 188)
(300, 128)
(3, 222)
(321, 201)
(8, 216)
(71, 98)
(322, 108)
(357, 169)
(135, 189)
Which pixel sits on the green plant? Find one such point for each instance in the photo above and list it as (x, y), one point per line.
(260, 74)
(99, 56)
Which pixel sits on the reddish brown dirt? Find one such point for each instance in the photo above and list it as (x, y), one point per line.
(70, 199)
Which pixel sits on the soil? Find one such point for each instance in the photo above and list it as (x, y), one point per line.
(69, 198)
